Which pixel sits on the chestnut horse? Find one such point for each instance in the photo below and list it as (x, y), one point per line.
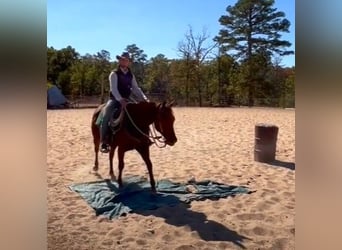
(134, 133)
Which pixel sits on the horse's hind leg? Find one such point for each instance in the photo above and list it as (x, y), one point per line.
(145, 154)
(111, 156)
(121, 154)
(96, 137)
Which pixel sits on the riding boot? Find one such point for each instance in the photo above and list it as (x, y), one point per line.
(107, 113)
(104, 148)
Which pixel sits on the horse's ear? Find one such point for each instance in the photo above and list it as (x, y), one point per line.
(161, 105)
(171, 103)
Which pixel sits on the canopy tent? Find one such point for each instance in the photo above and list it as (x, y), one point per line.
(55, 98)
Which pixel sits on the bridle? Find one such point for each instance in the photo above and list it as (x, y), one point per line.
(158, 140)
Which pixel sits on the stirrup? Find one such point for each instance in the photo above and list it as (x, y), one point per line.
(115, 124)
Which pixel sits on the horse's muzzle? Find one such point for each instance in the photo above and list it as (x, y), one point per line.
(171, 142)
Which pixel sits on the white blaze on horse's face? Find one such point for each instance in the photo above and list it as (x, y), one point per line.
(164, 124)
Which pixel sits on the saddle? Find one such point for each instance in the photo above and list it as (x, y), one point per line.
(114, 122)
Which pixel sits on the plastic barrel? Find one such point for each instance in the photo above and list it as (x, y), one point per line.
(265, 142)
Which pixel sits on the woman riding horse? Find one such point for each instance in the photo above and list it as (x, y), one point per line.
(122, 86)
(134, 134)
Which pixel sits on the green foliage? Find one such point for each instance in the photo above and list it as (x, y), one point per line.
(253, 26)
(137, 54)
(158, 75)
(242, 71)
(251, 32)
(48, 85)
(138, 62)
(223, 80)
(194, 50)
(289, 88)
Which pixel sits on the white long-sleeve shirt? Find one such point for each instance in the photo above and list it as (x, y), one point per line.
(136, 95)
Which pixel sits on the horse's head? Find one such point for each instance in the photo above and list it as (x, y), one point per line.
(164, 123)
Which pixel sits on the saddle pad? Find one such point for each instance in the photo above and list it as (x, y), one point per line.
(114, 123)
(99, 119)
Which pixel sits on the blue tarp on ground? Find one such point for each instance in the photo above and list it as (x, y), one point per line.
(55, 97)
(108, 200)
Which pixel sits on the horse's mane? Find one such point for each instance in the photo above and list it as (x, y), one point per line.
(143, 114)
(145, 111)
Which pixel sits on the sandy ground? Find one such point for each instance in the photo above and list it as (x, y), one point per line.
(213, 143)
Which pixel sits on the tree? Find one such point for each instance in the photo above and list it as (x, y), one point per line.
(265, 91)
(158, 75)
(103, 68)
(137, 54)
(77, 80)
(225, 66)
(180, 77)
(289, 88)
(285, 79)
(89, 75)
(184, 48)
(52, 65)
(253, 27)
(59, 63)
(194, 50)
(138, 62)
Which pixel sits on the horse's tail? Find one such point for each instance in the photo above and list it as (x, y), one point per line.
(94, 128)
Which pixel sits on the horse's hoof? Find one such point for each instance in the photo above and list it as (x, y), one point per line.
(112, 176)
(150, 143)
(95, 168)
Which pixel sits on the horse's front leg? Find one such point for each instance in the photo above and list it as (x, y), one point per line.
(96, 139)
(96, 163)
(144, 151)
(121, 154)
(111, 156)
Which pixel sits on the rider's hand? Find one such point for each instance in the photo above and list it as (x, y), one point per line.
(123, 102)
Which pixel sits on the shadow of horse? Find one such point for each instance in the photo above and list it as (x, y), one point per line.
(283, 164)
(208, 230)
(97, 175)
(176, 213)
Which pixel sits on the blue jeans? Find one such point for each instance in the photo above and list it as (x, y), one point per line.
(111, 107)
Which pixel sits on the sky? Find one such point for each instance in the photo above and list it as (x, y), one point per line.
(155, 26)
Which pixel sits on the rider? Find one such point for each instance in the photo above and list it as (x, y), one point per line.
(123, 87)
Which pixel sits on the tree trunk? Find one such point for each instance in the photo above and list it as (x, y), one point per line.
(219, 81)
(207, 95)
(249, 58)
(199, 90)
(187, 83)
(187, 88)
(250, 95)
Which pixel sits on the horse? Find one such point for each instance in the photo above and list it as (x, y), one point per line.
(133, 133)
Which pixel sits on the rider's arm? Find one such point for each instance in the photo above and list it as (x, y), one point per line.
(113, 80)
(137, 91)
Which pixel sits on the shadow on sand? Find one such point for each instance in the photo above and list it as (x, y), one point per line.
(176, 213)
(179, 214)
(208, 230)
(283, 164)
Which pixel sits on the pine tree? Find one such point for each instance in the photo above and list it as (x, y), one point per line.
(253, 27)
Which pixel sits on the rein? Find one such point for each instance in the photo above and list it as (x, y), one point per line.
(153, 135)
